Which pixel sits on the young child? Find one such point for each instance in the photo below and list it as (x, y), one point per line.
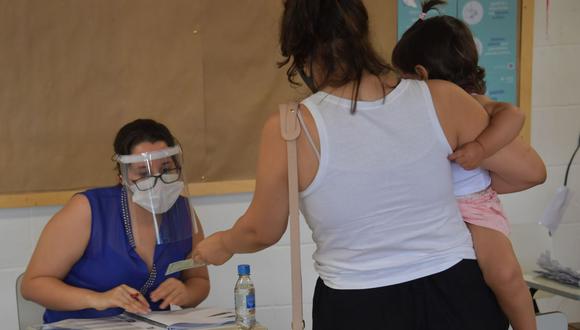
(443, 47)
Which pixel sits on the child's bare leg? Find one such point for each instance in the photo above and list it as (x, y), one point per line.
(503, 274)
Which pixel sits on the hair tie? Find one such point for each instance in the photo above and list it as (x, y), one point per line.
(422, 16)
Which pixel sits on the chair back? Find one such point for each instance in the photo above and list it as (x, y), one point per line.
(29, 313)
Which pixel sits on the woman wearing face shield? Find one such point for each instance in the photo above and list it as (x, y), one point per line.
(107, 250)
(392, 251)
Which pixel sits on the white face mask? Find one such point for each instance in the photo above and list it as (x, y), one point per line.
(158, 199)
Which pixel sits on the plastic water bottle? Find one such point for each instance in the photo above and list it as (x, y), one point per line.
(245, 299)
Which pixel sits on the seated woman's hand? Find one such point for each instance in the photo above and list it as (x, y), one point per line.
(172, 291)
(124, 297)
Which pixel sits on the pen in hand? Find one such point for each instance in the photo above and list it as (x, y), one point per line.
(135, 297)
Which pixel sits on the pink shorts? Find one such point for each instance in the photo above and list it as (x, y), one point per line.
(484, 209)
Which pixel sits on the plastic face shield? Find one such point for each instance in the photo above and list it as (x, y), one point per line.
(156, 192)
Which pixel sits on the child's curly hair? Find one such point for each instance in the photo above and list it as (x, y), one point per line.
(445, 46)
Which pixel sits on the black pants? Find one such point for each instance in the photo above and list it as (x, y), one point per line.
(455, 299)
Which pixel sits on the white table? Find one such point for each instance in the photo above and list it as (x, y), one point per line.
(541, 283)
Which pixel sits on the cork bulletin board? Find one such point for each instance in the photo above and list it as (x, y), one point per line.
(73, 72)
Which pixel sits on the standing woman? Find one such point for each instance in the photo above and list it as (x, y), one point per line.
(392, 251)
(107, 250)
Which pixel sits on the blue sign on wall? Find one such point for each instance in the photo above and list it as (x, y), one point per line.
(494, 26)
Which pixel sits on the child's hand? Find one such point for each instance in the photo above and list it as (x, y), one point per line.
(469, 156)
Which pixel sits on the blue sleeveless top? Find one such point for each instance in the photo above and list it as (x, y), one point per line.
(110, 258)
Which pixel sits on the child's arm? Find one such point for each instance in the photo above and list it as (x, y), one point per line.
(505, 124)
(502, 186)
(515, 168)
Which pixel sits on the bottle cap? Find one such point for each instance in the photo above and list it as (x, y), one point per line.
(243, 269)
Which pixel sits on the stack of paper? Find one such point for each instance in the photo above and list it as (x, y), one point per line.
(553, 270)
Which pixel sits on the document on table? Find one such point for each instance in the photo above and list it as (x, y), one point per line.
(192, 318)
(189, 318)
(120, 322)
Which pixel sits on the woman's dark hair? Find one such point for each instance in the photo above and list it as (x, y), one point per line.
(445, 46)
(138, 131)
(335, 35)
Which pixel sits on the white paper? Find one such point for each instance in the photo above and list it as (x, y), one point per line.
(555, 211)
(182, 265)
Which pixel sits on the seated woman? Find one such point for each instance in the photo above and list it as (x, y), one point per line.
(107, 249)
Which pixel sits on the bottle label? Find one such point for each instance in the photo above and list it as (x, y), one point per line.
(250, 301)
(245, 299)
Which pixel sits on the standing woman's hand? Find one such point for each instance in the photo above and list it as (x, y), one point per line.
(212, 250)
(124, 297)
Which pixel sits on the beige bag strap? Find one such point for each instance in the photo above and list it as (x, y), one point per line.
(290, 126)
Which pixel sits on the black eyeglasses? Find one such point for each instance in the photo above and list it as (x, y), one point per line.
(148, 182)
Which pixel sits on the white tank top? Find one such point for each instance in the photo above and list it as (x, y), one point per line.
(381, 206)
(468, 182)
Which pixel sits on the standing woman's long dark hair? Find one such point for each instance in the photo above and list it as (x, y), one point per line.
(335, 35)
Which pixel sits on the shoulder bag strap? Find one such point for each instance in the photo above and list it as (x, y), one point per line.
(290, 126)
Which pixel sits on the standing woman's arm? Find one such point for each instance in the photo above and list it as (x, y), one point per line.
(266, 219)
(460, 115)
(515, 167)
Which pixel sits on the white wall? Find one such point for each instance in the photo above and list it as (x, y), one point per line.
(555, 130)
